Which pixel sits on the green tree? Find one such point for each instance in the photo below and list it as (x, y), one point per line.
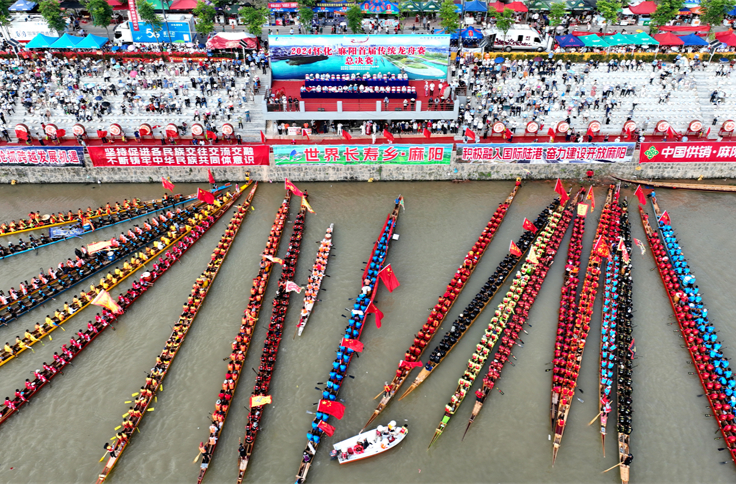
(609, 11)
(309, 3)
(448, 17)
(504, 21)
(306, 14)
(355, 19)
(51, 12)
(713, 11)
(253, 18)
(101, 13)
(666, 11)
(205, 15)
(5, 12)
(557, 12)
(147, 13)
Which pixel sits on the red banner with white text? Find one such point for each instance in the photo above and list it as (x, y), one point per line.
(696, 152)
(233, 155)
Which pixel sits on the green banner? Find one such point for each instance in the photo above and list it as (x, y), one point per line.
(363, 155)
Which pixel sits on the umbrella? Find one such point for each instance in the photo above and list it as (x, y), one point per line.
(725, 59)
(98, 98)
(133, 73)
(498, 60)
(537, 59)
(105, 104)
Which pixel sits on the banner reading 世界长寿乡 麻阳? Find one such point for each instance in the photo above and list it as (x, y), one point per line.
(419, 56)
(547, 153)
(363, 155)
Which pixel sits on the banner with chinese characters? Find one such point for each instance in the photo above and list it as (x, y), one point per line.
(363, 155)
(419, 56)
(547, 153)
(695, 152)
(41, 156)
(233, 155)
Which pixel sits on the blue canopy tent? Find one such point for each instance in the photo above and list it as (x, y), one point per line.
(471, 33)
(693, 39)
(91, 42)
(453, 36)
(22, 6)
(732, 12)
(66, 41)
(475, 6)
(41, 42)
(566, 41)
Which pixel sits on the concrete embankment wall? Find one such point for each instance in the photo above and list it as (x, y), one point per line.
(296, 173)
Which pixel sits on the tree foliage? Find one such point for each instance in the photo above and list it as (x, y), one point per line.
(609, 10)
(306, 14)
(147, 13)
(448, 17)
(101, 13)
(253, 18)
(666, 11)
(713, 11)
(205, 15)
(505, 20)
(5, 12)
(557, 12)
(355, 19)
(51, 12)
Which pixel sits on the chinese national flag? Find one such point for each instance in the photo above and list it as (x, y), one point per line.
(590, 132)
(346, 135)
(211, 134)
(167, 184)
(560, 190)
(389, 278)
(470, 134)
(528, 225)
(640, 195)
(326, 428)
(591, 197)
(627, 136)
(665, 218)
(427, 133)
(293, 188)
(263, 138)
(373, 309)
(507, 134)
(601, 247)
(104, 300)
(551, 132)
(336, 409)
(352, 344)
(305, 134)
(388, 135)
(209, 175)
(410, 364)
(514, 250)
(260, 400)
(205, 196)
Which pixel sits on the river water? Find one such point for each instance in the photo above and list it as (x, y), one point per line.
(59, 437)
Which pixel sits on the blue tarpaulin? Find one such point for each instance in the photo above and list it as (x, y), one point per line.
(475, 6)
(66, 41)
(693, 39)
(91, 42)
(41, 42)
(471, 33)
(569, 41)
(22, 6)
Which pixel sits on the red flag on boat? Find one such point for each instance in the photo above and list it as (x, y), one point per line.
(209, 175)
(205, 196)
(373, 309)
(560, 190)
(528, 225)
(293, 188)
(624, 253)
(640, 195)
(273, 259)
(590, 196)
(292, 286)
(427, 133)
(470, 134)
(388, 135)
(514, 250)
(665, 218)
(326, 428)
(601, 247)
(640, 244)
(352, 344)
(336, 409)
(346, 135)
(263, 138)
(167, 184)
(389, 278)
(410, 364)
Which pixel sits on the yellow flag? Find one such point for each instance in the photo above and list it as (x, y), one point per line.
(106, 301)
(533, 257)
(306, 204)
(259, 400)
(582, 210)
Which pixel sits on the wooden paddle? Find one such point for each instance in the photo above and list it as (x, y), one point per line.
(197, 458)
(612, 468)
(594, 419)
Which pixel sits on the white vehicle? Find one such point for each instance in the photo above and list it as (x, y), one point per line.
(175, 28)
(519, 37)
(24, 28)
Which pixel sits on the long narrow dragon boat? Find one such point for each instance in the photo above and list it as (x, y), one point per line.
(272, 343)
(96, 327)
(197, 297)
(315, 280)
(473, 310)
(168, 240)
(574, 356)
(243, 339)
(356, 324)
(87, 228)
(609, 317)
(521, 311)
(37, 221)
(698, 332)
(679, 186)
(566, 313)
(625, 351)
(549, 228)
(445, 303)
(37, 293)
